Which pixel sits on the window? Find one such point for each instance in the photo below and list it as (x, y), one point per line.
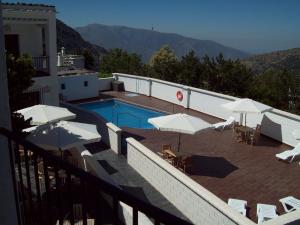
(86, 83)
(63, 86)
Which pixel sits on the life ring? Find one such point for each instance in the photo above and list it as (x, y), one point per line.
(179, 95)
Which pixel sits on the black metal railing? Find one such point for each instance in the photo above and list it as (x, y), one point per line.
(51, 190)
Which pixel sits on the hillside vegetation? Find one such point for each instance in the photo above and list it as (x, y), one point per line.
(283, 60)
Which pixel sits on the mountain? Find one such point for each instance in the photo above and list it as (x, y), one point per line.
(73, 42)
(146, 42)
(285, 59)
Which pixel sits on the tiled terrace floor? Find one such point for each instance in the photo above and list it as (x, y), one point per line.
(226, 168)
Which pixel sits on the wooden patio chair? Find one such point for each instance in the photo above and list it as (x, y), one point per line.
(254, 137)
(166, 147)
(237, 135)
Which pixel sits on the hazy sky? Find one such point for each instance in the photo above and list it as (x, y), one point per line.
(251, 25)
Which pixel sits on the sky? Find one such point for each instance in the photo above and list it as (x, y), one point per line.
(254, 26)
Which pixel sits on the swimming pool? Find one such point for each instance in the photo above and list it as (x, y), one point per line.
(123, 114)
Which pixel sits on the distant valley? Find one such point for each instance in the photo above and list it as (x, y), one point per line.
(146, 42)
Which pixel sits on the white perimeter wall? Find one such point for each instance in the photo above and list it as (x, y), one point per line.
(74, 86)
(276, 124)
(193, 200)
(105, 83)
(49, 84)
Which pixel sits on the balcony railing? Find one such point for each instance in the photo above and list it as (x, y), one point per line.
(41, 65)
(48, 187)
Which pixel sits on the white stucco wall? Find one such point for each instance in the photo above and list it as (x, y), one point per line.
(27, 22)
(30, 37)
(114, 134)
(8, 212)
(105, 83)
(74, 86)
(193, 200)
(276, 124)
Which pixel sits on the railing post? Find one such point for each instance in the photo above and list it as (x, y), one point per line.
(150, 87)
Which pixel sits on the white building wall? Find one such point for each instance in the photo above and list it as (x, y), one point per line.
(74, 86)
(8, 212)
(27, 21)
(276, 124)
(30, 37)
(51, 51)
(105, 83)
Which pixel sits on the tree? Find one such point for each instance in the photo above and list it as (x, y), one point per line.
(278, 88)
(19, 75)
(190, 70)
(164, 64)
(119, 61)
(89, 61)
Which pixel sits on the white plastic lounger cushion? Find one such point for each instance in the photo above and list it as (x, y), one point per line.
(290, 202)
(238, 205)
(223, 125)
(289, 153)
(265, 212)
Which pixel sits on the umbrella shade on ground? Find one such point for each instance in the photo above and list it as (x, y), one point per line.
(42, 114)
(246, 105)
(63, 135)
(181, 123)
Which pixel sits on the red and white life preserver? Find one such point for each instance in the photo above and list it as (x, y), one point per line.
(179, 95)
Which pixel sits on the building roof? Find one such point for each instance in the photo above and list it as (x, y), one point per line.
(27, 6)
(66, 71)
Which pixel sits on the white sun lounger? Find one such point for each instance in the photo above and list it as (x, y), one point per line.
(289, 153)
(238, 205)
(265, 212)
(290, 203)
(222, 125)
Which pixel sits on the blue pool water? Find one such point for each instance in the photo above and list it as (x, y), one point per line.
(123, 114)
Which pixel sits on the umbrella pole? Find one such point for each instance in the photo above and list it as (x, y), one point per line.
(245, 119)
(179, 137)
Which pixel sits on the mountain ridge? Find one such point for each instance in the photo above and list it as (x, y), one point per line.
(145, 42)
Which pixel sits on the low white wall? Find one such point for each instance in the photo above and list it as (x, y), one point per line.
(193, 200)
(49, 87)
(276, 124)
(291, 218)
(74, 86)
(114, 134)
(105, 83)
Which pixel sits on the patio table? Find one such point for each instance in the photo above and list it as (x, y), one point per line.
(245, 132)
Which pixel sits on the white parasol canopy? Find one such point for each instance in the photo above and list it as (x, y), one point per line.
(246, 105)
(181, 123)
(42, 114)
(63, 135)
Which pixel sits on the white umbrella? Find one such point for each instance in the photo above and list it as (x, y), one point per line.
(296, 134)
(62, 135)
(181, 123)
(42, 114)
(246, 105)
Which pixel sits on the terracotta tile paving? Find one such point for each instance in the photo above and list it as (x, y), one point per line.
(226, 168)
